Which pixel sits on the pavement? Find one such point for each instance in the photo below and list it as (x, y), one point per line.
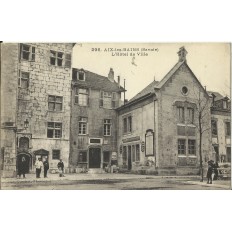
(98, 178)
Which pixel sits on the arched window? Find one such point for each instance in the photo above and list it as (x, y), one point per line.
(24, 143)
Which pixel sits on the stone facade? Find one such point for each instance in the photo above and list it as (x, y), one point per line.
(91, 144)
(221, 129)
(165, 117)
(9, 84)
(42, 79)
(49, 109)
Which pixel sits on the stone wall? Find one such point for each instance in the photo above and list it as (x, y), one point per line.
(168, 99)
(46, 79)
(221, 140)
(9, 71)
(96, 116)
(142, 119)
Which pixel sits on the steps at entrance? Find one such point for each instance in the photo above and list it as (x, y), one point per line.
(96, 171)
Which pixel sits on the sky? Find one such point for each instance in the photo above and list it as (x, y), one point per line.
(210, 62)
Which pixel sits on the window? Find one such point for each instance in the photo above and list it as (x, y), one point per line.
(81, 76)
(185, 90)
(214, 127)
(107, 100)
(225, 104)
(124, 125)
(127, 124)
(82, 97)
(228, 154)
(137, 157)
(82, 158)
(107, 127)
(181, 146)
(191, 147)
(55, 154)
(56, 58)
(24, 143)
(133, 153)
(27, 52)
(23, 80)
(228, 131)
(82, 126)
(55, 103)
(113, 106)
(180, 114)
(54, 130)
(190, 113)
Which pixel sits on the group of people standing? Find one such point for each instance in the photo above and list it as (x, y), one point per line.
(39, 165)
(212, 172)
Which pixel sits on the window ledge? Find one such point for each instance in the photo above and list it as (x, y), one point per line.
(181, 124)
(191, 125)
(184, 156)
(51, 111)
(81, 105)
(55, 138)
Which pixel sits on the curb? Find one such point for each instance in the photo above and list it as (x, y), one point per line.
(226, 187)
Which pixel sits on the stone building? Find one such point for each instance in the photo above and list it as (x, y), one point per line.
(159, 129)
(221, 127)
(93, 132)
(36, 93)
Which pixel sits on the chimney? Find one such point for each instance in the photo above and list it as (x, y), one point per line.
(111, 75)
(182, 54)
(118, 81)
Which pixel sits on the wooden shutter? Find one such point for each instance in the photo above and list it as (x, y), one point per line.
(32, 53)
(67, 60)
(101, 99)
(76, 95)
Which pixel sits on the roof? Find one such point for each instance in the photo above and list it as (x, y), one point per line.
(157, 84)
(145, 91)
(96, 81)
(217, 95)
(169, 74)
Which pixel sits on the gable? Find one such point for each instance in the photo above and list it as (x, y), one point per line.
(182, 77)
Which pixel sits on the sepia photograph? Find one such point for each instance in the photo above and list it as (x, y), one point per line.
(115, 116)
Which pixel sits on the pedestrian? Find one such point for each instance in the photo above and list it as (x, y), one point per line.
(22, 167)
(209, 172)
(46, 167)
(215, 167)
(38, 166)
(60, 166)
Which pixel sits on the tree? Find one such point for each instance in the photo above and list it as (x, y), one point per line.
(203, 104)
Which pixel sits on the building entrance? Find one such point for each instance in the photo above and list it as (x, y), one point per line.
(28, 162)
(94, 158)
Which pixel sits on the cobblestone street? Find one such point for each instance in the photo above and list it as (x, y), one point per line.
(111, 182)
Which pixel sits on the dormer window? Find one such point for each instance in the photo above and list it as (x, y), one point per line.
(81, 76)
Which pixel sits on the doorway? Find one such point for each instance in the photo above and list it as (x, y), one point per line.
(28, 161)
(129, 158)
(94, 157)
